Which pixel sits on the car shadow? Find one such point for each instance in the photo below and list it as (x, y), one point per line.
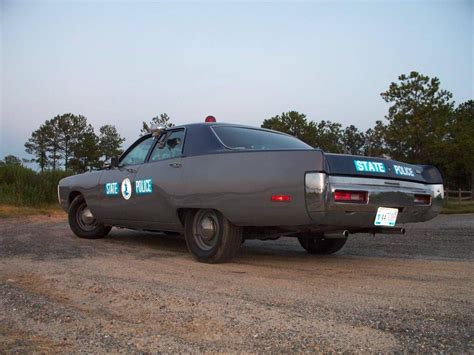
(153, 241)
(149, 243)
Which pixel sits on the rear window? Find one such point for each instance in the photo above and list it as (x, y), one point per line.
(256, 139)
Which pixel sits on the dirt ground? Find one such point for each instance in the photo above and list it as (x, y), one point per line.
(142, 292)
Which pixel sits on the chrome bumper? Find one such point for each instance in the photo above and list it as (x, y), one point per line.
(324, 211)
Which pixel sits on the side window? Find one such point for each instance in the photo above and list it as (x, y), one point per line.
(170, 146)
(138, 154)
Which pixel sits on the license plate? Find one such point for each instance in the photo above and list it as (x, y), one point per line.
(386, 217)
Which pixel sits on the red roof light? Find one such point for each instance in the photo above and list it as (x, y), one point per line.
(210, 119)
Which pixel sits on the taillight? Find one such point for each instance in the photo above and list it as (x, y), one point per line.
(281, 198)
(351, 196)
(422, 199)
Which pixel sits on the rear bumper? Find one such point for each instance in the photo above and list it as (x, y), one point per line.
(324, 211)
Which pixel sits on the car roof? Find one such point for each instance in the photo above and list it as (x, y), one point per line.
(214, 124)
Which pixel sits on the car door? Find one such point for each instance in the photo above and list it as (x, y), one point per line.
(158, 183)
(116, 185)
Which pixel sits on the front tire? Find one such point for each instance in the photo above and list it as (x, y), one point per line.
(210, 237)
(82, 222)
(321, 246)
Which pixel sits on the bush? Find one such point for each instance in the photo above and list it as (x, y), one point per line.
(23, 186)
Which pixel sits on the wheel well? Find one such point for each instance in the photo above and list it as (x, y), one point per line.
(72, 196)
(182, 213)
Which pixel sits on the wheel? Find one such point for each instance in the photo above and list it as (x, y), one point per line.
(319, 245)
(83, 223)
(210, 237)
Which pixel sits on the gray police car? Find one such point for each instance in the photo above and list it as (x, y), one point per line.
(220, 184)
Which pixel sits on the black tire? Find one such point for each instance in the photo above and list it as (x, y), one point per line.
(321, 246)
(80, 228)
(210, 237)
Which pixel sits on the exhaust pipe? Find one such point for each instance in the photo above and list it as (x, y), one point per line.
(336, 235)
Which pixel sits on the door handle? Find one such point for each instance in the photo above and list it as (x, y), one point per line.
(176, 165)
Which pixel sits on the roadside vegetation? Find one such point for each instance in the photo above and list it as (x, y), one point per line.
(455, 207)
(25, 192)
(22, 186)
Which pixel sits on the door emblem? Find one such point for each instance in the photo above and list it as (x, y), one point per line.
(112, 188)
(143, 186)
(126, 188)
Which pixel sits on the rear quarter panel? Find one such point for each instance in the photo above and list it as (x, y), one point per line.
(240, 185)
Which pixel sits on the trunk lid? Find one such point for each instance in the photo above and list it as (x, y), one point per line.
(361, 166)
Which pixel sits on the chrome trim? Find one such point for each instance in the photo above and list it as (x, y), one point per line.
(316, 185)
(324, 211)
(364, 181)
(315, 182)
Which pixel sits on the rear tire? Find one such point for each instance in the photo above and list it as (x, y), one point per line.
(210, 237)
(321, 246)
(83, 223)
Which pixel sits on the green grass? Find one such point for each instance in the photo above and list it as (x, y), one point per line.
(21, 186)
(452, 207)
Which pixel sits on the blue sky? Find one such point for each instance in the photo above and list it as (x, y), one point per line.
(125, 62)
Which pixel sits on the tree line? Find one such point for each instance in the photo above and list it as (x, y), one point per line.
(69, 142)
(423, 126)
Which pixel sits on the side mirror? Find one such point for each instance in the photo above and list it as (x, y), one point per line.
(114, 162)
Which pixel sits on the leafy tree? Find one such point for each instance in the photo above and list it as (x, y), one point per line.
(85, 152)
(374, 144)
(70, 138)
(325, 134)
(329, 136)
(10, 160)
(163, 119)
(37, 145)
(459, 147)
(293, 123)
(417, 119)
(352, 140)
(110, 142)
(69, 131)
(55, 138)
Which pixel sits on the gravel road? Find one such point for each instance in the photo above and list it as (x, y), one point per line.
(142, 292)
